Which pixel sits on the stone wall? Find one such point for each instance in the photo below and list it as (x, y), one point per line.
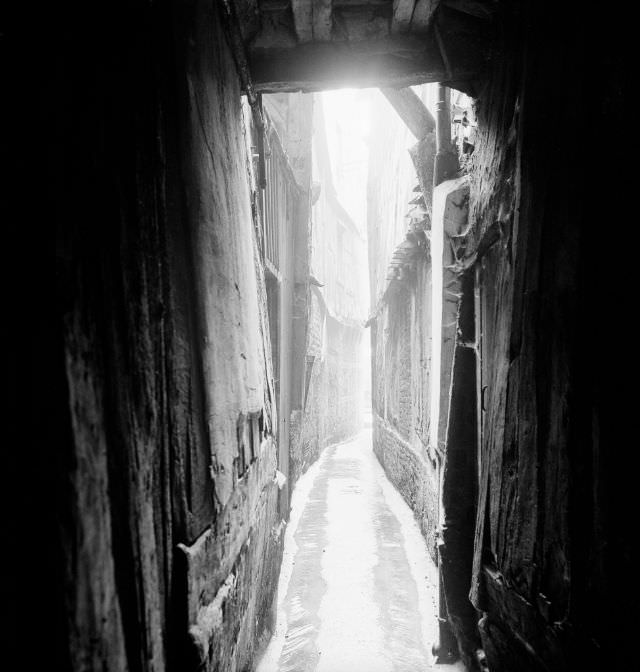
(169, 528)
(413, 474)
(333, 401)
(401, 357)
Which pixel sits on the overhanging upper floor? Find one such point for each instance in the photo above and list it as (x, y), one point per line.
(319, 44)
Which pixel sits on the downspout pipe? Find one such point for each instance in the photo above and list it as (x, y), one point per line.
(446, 161)
(445, 167)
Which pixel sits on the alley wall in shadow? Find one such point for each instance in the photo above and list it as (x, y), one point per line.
(167, 505)
(166, 511)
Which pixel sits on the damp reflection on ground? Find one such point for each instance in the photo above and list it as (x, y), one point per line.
(357, 591)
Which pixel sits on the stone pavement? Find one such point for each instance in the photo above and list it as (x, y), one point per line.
(357, 588)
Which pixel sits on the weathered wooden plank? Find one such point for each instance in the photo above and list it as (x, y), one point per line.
(411, 109)
(357, 24)
(477, 8)
(248, 15)
(422, 15)
(402, 11)
(277, 31)
(495, 315)
(322, 20)
(360, 3)
(274, 6)
(361, 51)
(303, 19)
(386, 62)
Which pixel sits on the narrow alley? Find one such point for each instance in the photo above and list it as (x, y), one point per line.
(357, 590)
(270, 216)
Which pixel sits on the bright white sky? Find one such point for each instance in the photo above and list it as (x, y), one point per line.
(348, 119)
(347, 116)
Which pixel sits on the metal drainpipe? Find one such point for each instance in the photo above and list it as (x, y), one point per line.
(445, 167)
(446, 161)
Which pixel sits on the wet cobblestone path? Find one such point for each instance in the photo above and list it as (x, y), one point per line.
(357, 587)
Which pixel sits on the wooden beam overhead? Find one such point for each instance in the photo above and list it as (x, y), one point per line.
(360, 4)
(364, 30)
(313, 45)
(423, 14)
(477, 8)
(322, 20)
(326, 65)
(411, 110)
(248, 16)
(303, 19)
(402, 11)
(356, 24)
(274, 5)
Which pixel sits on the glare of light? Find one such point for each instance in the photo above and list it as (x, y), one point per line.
(347, 118)
(349, 109)
(348, 123)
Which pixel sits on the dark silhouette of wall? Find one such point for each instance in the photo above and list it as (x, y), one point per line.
(167, 505)
(538, 541)
(159, 338)
(552, 555)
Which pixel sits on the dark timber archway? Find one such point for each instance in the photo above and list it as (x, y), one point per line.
(313, 45)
